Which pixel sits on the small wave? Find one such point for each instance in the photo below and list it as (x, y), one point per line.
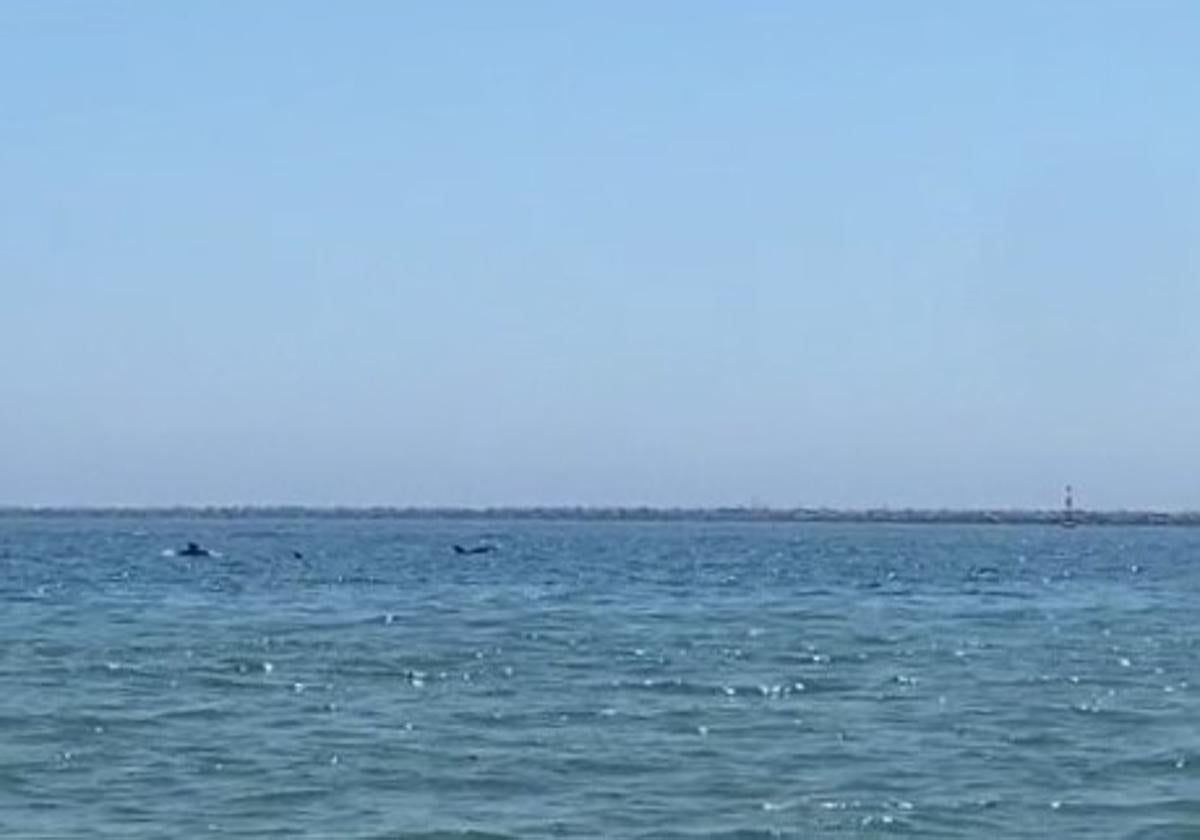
(446, 834)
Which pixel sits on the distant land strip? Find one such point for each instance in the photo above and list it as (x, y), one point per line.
(634, 514)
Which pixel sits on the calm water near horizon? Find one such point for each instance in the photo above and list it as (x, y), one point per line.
(596, 680)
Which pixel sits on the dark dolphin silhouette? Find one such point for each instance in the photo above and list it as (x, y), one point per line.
(475, 549)
(193, 550)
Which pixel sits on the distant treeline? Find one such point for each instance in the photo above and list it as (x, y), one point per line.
(639, 514)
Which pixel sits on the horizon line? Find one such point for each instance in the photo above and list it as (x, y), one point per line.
(883, 514)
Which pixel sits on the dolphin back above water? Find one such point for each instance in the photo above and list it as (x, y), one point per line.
(475, 549)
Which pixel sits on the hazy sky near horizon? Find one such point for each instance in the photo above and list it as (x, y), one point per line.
(789, 253)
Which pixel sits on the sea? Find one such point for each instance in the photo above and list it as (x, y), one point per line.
(355, 677)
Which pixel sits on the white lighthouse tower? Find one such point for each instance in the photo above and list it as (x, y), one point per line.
(1068, 516)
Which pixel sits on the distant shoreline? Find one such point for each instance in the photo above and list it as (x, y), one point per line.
(631, 514)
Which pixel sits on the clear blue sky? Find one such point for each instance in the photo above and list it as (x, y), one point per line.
(871, 253)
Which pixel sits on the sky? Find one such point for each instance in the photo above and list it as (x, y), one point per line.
(905, 254)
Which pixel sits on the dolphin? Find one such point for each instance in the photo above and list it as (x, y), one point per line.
(475, 549)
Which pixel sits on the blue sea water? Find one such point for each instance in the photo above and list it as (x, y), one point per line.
(596, 680)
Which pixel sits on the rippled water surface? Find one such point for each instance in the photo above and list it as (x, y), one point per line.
(607, 680)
